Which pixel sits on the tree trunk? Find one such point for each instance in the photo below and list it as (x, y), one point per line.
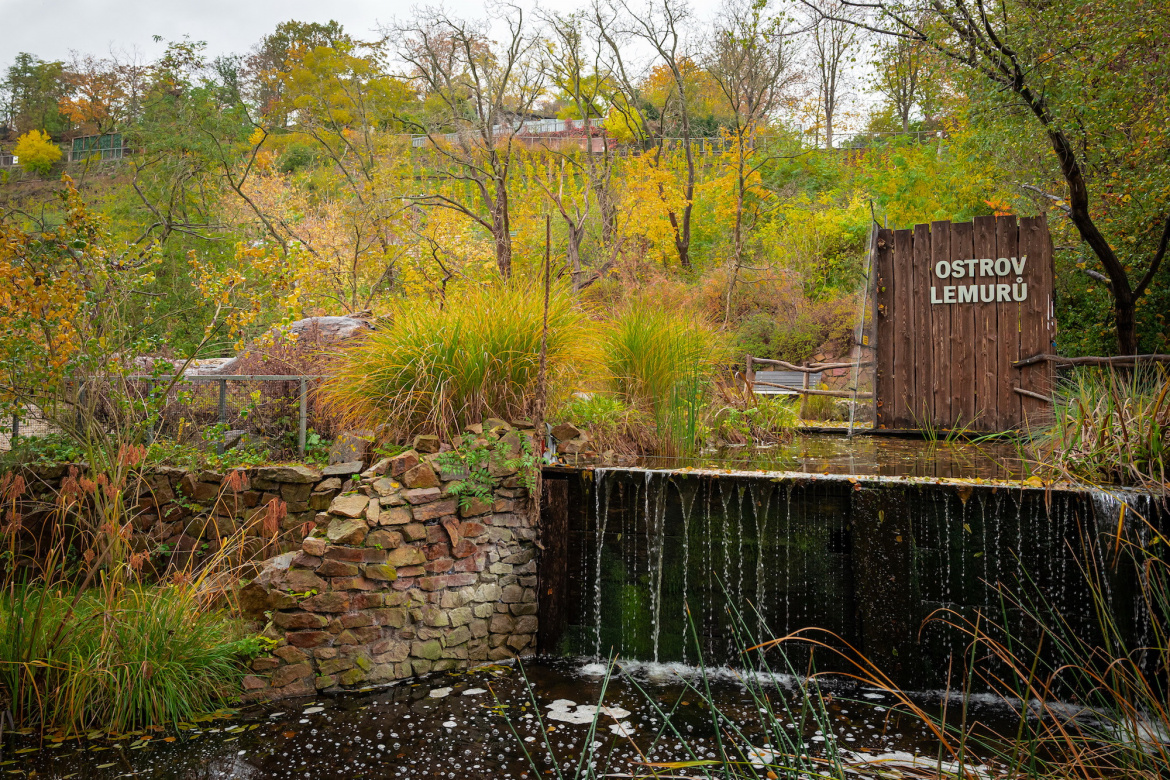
(501, 230)
(1124, 310)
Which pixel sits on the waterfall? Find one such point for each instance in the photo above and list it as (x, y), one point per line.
(866, 558)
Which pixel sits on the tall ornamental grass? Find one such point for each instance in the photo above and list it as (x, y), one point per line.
(145, 656)
(665, 362)
(434, 367)
(1110, 426)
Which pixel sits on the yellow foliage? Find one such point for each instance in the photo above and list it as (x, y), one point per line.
(36, 151)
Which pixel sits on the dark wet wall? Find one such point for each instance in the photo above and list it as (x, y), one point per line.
(869, 560)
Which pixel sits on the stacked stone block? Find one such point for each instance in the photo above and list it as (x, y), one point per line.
(400, 578)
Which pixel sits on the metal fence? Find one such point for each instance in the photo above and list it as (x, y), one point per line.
(219, 411)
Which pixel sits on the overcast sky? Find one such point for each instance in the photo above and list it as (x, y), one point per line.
(51, 29)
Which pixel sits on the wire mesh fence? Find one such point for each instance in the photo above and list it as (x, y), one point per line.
(278, 413)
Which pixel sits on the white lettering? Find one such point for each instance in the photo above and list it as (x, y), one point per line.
(986, 267)
(940, 267)
(934, 295)
(1018, 264)
(949, 294)
(969, 293)
(971, 267)
(1020, 292)
(957, 269)
(987, 293)
(1003, 266)
(1004, 293)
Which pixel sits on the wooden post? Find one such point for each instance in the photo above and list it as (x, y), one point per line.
(222, 414)
(804, 395)
(303, 424)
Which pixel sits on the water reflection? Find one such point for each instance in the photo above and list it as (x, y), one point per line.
(817, 453)
(452, 726)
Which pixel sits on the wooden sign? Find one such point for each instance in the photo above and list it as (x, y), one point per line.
(956, 305)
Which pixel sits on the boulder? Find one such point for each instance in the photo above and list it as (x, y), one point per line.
(565, 431)
(352, 446)
(426, 443)
(421, 476)
(347, 531)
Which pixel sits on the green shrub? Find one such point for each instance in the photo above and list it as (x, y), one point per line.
(766, 336)
(49, 449)
(612, 424)
(295, 157)
(143, 657)
(819, 407)
(434, 367)
(760, 419)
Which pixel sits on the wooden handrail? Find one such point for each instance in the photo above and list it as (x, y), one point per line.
(1030, 394)
(815, 368)
(1091, 360)
(809, 391)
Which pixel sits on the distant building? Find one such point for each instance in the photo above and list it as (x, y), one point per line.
(109, 146)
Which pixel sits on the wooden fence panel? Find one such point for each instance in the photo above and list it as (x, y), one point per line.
(1007, 245)
(920, 401)
(883, 316)
(940, 328)
(1037, 330)
(963, 402)
(956, 305)
(986, 344)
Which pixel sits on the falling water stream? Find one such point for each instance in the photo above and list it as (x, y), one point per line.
(672, 555)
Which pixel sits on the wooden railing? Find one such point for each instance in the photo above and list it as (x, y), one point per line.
(804, 389)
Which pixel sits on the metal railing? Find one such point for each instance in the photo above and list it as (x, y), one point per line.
(222, 406)
(263, 408)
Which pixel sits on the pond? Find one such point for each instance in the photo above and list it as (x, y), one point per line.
(456, 725)
(864, 455)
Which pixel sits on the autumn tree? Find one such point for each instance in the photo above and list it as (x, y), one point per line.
(748, 57)
(267, 65)
(904, 76)
(96, 99)
(660, 25)
(576, 68)
(1088, 78)
(477, 95)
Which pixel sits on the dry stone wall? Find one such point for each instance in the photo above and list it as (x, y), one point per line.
(399, 578)
(180, 515)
